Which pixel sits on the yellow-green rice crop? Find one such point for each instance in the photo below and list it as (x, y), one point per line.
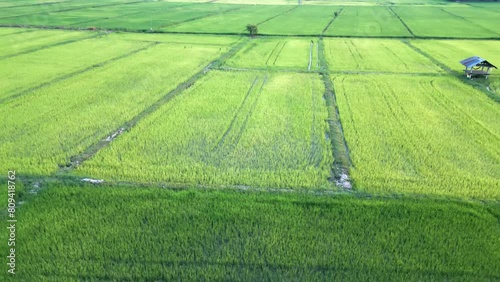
(129, 234)
(375, 55)
(228, 129)
(277, 53)
(450, 52)
(44, 129)
(20, 73)
(420, 135)
(27, 41)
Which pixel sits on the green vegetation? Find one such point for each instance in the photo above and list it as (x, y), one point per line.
(340, 142)
(73, 114)
(310, 20)
(21, 74)
(428, 135)
(230, 22)
(450, 52)
(277, 54)
(20, 43)
(107, 233)
(367, 21)
(448, 25)
(228, 129)
(366, 55)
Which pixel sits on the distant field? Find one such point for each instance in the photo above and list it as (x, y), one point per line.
(450, 52)
(381, 55)
(420, 135)
(230, 22)
(68, 116)
(367, 21)
(277, 54)
(32, 41)
(251, 129)
(309, 20)
(421, 23)
(109, 233)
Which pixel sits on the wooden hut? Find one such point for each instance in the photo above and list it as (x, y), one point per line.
(477, 66)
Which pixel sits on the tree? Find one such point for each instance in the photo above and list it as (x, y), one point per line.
(252, 29)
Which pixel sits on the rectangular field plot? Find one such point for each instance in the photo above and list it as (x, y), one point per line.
(420, 135)
(277, 53)
(450, 52)
(229, 129)
(308, 20)
(367, 21)
(42, 130)
(230, 22)
(158, 19)
(375, 55)
(29, 41)
(436, 22)
(223, 235)
(22, 73)
(489, 20)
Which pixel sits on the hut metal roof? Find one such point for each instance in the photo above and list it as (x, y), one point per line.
(476, 61)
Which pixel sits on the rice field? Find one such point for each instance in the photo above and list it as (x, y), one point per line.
(160, 141)
(267, 131)
(420, 135)
(299, 54)
(368, 22)
(90, 105)
(384, 55)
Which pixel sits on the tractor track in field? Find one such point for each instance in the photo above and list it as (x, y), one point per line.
(402, 22)
(272, 52)
(90, 151)
(231, 145)
(235, 117)
(249, 114)
(75, 73)
(277, 15)
(60, 43)
(335, 16)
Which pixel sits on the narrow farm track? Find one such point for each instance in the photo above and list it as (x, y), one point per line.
(402, 22)
(277, 15)
(72, 74)
(92, 150)
(331, 21)
(342, 161)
